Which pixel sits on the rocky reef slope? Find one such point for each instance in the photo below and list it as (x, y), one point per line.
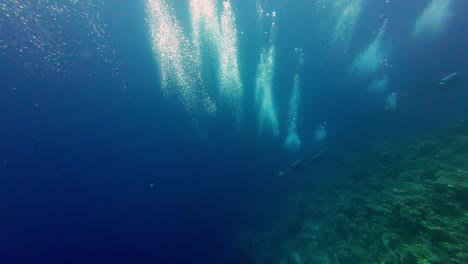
(400, 203)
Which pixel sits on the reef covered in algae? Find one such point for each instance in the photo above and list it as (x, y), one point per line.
(399, 203)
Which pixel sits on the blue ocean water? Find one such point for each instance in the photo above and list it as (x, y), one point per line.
(100, 162)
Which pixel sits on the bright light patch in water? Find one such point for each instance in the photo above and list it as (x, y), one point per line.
(264, 81)
(369, 61)
(51, 35)
(433, 19)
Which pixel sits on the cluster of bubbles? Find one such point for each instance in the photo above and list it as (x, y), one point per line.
(292, 142)
(266, 22)
(433, 19)
(371, 59)
(344, 28)
(55, 35)
(179, 66)
(391, 102)
(267, 116)
(430, 23)
(336, 22)
(215, 37)
(300, 57)
(321, 133)
(188, 62)
(379, 84)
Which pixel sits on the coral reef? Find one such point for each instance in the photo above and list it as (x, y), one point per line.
(399, 203)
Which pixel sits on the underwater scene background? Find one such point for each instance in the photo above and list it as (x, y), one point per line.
(242, 131)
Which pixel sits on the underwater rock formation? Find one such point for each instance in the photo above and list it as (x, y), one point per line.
(400, 203)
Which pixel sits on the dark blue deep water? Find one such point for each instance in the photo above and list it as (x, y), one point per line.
(99, 167)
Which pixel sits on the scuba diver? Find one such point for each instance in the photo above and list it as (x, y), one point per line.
(299, 165)
(452, 80)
